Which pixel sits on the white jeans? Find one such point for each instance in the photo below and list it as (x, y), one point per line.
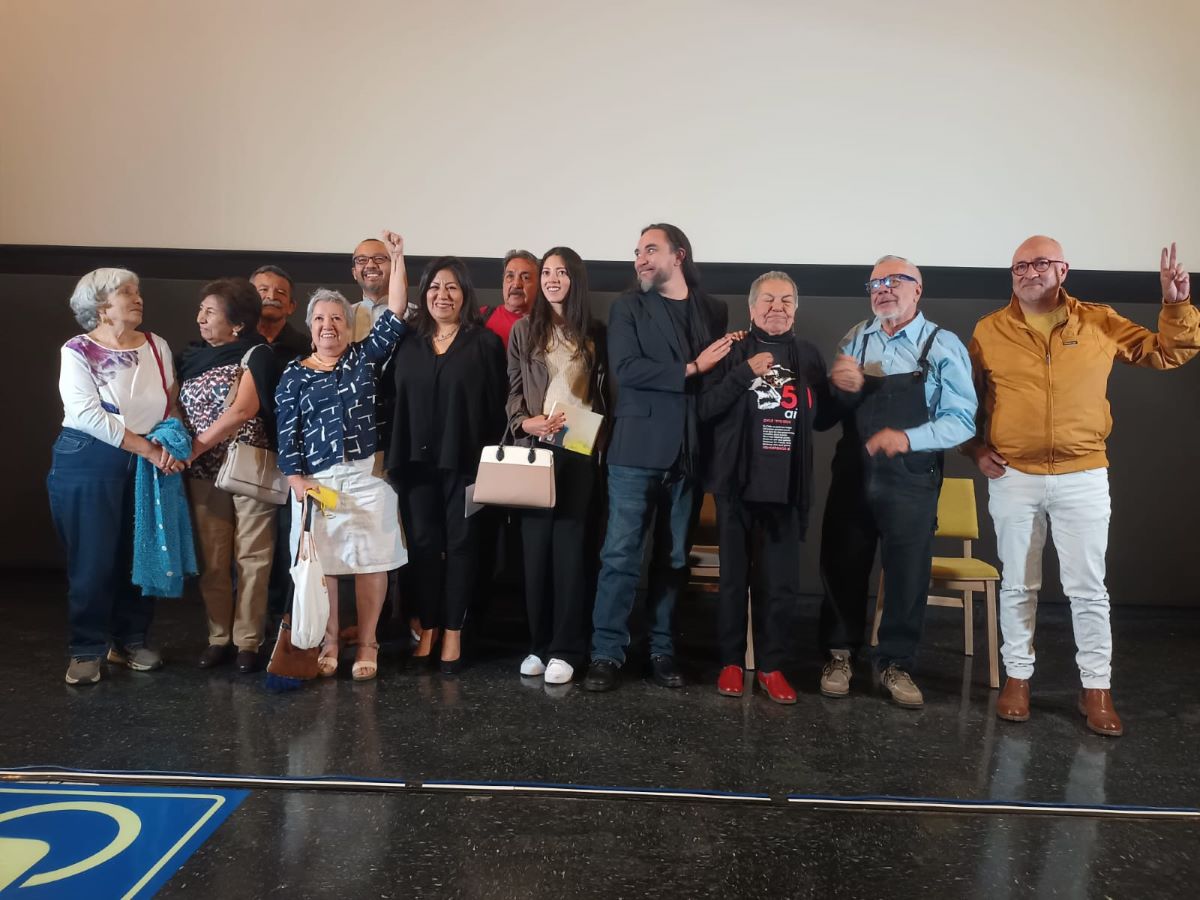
(1077, 508)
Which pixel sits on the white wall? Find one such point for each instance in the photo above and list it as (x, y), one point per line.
(771, 131)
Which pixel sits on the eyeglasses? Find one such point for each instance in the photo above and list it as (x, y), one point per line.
(1038, 265)
(361, 261)
(888, 281)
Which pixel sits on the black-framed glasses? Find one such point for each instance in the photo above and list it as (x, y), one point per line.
(361, 261)
(1039, 265)
(888, 281)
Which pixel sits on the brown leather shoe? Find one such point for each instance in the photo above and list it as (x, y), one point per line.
(1097, 705)
(1013, 702)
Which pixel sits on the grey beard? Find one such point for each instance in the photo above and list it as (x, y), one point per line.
(656, 280)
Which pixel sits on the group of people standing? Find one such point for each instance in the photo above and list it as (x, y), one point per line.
(389, 402)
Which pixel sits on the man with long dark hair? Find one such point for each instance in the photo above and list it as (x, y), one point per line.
(661, 337)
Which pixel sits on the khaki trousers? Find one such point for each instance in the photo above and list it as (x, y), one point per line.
(233, 530)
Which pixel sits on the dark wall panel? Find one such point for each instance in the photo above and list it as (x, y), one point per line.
(1156, 427)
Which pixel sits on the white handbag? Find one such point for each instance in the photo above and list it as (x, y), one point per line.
(310, 606)
(515, 476)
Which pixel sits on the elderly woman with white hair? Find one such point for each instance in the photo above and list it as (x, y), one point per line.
(116, 383)
(325, 409)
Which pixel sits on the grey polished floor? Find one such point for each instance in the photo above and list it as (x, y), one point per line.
(490, 725)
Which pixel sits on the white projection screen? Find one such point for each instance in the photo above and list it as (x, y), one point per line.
(772, 131)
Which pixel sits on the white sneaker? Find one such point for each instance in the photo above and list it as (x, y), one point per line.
(559, 672)
(531, 665)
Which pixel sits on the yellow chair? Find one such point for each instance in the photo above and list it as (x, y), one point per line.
(957, 518)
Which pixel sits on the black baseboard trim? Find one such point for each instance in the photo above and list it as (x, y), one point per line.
(958, 282)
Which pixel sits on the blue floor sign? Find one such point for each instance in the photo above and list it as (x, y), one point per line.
(94, 842)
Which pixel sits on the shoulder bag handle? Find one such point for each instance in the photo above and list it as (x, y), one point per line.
(162, 373)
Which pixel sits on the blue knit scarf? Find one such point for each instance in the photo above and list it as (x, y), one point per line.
(163, 550)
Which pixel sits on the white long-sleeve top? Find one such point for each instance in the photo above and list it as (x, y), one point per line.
(105, 391)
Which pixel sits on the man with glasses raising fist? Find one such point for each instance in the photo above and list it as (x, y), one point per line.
(1041, 369)
(906, 384)
(370, 267)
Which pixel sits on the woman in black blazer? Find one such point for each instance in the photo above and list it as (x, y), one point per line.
(450, 389)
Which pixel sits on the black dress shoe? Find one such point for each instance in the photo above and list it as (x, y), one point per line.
(451, 666)
(602, 675)
(665, 672)
(247, 661)
(214, 655)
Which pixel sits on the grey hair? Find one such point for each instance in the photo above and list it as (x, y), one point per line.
(325, 295)
(91, 294)
(520, 254)
(768, 276)
(891, 257)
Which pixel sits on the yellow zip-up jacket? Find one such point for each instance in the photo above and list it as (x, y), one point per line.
(1044, 407)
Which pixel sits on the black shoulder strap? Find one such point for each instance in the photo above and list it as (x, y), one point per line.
(928, 344)
(923, 362)
(862, 351)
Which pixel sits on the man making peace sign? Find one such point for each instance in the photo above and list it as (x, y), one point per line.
(1041, 368)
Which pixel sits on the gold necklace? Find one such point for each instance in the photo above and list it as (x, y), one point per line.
(450, 336)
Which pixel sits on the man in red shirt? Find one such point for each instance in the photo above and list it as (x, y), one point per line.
(520, 287)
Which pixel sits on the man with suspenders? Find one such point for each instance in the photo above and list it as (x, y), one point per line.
(907, 386)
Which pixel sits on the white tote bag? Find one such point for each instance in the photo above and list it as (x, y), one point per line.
(310, 608)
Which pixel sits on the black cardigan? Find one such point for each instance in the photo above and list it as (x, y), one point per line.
(724, 406)
(447, 408)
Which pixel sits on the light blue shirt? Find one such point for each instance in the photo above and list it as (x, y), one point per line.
(949, 390)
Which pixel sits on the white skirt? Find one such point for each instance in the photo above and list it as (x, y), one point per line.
(362, 533)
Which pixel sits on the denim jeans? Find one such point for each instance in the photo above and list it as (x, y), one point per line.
(1076, 507)
(636, 496)
(91, 500)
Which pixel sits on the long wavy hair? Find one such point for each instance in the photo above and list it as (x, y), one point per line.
(468, 316)
(577, 309)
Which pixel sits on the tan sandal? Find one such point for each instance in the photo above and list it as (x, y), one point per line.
(327, 665)
(366, 669)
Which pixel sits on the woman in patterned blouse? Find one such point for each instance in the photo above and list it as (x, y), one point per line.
(325, 407)
(230, 529)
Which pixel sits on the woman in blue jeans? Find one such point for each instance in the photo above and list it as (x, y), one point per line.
(116, 384)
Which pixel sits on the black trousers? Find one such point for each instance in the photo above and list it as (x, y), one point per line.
(888, 504)
(760, 553)
(557, 588)
(442, 545)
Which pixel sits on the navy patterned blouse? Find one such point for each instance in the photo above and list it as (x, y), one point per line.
(329, 417)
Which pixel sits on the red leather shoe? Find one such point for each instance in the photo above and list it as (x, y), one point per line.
(776, 686)
(731, 680)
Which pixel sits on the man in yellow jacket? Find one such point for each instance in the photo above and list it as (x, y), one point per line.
(1041, 368)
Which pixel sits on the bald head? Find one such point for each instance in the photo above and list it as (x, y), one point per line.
(1038, 246)
(1038, 291)
(371, 268)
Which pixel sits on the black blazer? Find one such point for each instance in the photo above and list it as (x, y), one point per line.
(647, 365)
